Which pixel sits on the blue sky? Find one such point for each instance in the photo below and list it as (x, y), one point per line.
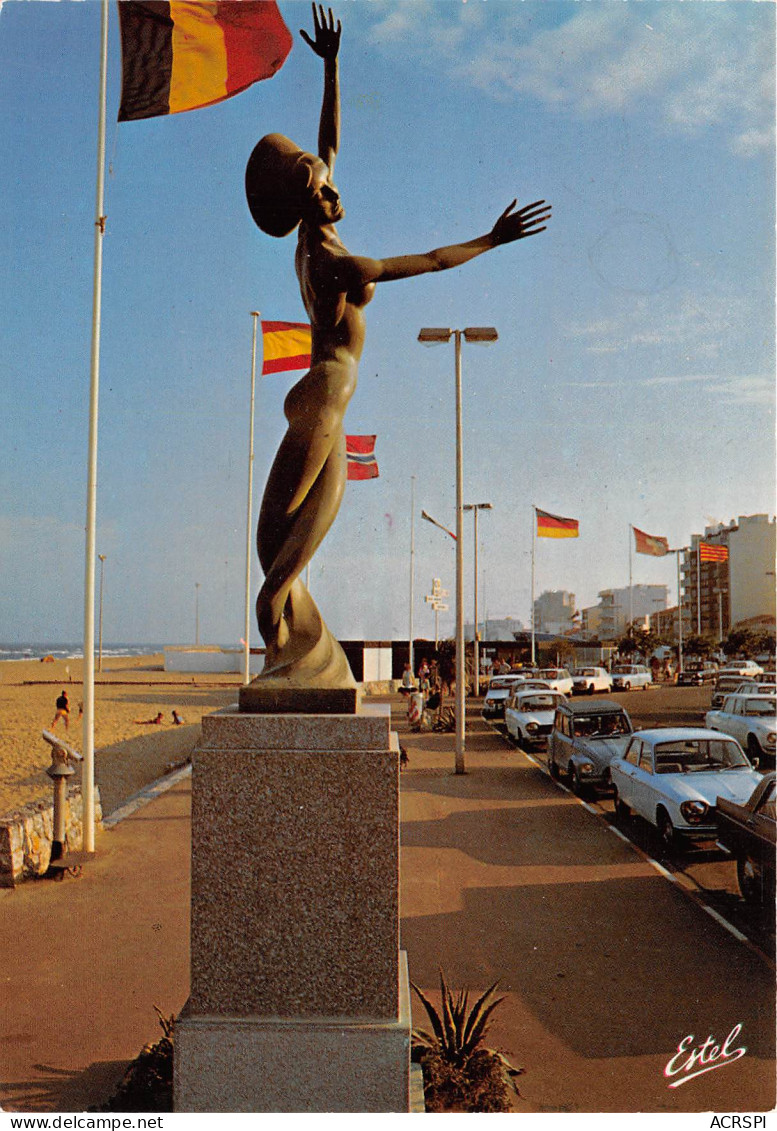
(633, 377)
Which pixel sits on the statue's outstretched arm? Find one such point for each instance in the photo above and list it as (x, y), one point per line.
(326, 45)
(511, 226)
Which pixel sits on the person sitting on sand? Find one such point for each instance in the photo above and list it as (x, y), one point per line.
(63, 710)
(151, 722)
(177, 720)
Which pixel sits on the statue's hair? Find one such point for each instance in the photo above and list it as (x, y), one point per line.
(277, 176)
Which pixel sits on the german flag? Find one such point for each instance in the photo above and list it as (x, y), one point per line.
(286, 346)
(183, 56)
(650, 543)
(553, 526)
(711, 552)
(360, 451)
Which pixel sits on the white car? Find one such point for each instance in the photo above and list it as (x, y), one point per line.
(529, 715)
(750, 719)
(756, 687)
(672, 777)
(626, 676)
(494, 702)
(743, 668)
(558, 678)
(590, 680)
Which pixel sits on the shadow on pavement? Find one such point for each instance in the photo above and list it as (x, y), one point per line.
(58, 1089)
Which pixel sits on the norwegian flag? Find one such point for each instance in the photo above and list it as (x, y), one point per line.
(360, 451)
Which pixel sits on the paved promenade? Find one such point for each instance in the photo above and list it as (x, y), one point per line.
(606, 965)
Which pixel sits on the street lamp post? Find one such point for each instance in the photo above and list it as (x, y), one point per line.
(100, 617)
(720, 591)
(475, 507)
(431, 336)
(196, 612)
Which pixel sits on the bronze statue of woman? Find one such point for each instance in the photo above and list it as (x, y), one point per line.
(288, 188)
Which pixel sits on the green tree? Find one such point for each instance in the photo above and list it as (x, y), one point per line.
(698, 646)
(741, 642)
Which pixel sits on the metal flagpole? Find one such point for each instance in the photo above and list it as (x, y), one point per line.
(631, 592)
(679, 617)
(412, 572)
(249, 531)
(533, 545)
(87, 770)
(698, 587)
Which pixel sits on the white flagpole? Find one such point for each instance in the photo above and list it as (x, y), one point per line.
(249, 532)
(698, 587)
(87, 770)
(631, 592)
(533, 546)
(412, 570)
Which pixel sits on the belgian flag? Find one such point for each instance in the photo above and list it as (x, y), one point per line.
(183, 56)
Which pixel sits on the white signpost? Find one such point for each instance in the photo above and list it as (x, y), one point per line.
(435, 599)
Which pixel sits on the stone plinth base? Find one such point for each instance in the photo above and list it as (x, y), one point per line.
(261, 1064)
(297, 1000)
(275, 697)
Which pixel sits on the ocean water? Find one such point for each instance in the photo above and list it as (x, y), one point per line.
(27, 651)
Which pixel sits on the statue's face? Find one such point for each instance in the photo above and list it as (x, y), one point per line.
(324, 206)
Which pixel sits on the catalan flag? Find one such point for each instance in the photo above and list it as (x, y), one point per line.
(650, 543)
(182, 56)
(553, 526)
(360, 451)
(712, 552)
(286, 346)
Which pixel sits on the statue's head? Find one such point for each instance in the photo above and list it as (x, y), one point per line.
(284, 184)
(278, 175)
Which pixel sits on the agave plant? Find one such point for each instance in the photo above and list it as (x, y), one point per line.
(459, 1074)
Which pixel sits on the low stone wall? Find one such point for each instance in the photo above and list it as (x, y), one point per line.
(380, 687)
(26, 836)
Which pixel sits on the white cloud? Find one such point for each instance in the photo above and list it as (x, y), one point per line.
(693, 66)
(749, 389)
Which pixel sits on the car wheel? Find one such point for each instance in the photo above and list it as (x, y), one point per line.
(576, 781)
(590, 689)
(621, 808)
(750, 879)
(753, 747)
(627, 686)
(552, 768)
(667, 834)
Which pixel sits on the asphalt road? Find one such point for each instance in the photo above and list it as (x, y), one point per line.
(701, 868)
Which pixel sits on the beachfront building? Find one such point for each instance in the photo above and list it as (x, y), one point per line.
(738, 589)
(554, 612)
(491, 628)
(618, 607)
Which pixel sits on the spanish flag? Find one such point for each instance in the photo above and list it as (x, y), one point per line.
(286, 346)
(183, 56)
(650, 543)
(553, 526)
(360, 451)
(712, 552)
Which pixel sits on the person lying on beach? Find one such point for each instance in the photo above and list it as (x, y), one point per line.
(63, 710)
(177, 720)
(151, 722)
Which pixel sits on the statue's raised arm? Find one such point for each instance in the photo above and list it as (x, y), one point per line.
(326, 44)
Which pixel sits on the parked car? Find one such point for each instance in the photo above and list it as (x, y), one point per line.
(558, 678)
(590, 680)
(494, 701)
(673, 777)
(724, 685)
(748, 831)
(696, 674)
(751, 720)
(626, 676)
(742, 667)
(585, 739)
(756, 687)
(529, 714)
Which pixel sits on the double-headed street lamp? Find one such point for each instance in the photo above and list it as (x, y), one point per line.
(431, 336)
(475, 507)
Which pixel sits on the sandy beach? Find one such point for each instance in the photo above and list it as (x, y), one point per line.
(128, 754)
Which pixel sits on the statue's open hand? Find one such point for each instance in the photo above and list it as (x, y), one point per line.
(527, 221)
(327, 41)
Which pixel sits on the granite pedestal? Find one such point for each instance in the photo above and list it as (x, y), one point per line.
(298, 1000)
